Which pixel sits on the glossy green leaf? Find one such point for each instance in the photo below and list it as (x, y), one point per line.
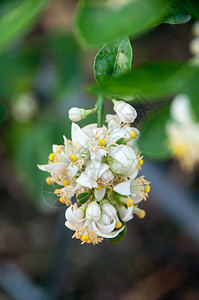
(83, 197)
(113, 60)
(98, 22)
(17, 17)
(152, 80)
(177, 13)
(153, 140)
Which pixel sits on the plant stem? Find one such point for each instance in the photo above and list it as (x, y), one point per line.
(100, 110)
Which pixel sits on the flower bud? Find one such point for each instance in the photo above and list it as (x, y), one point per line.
(107, 176)
(93, 212)
(76, 114)
(109, 210)
(104, 219)
(125, 111)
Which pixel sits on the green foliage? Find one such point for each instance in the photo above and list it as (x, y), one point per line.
(83, 197)
(3, 113)
(152, 80)
(177, 13)
(153, 140)
(113, 60)
(192, 90)
(98, 22)
(17, 17)
(193, 5)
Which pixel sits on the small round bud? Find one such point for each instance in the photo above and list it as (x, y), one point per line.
(107, 176)
(125, 111)
(109, 209)
(93, 212)
(141, 162)
(75, 114)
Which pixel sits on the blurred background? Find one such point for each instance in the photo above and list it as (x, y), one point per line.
(42, 74)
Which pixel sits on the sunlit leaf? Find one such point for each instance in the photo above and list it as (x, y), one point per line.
(113, 60)
(177, 13)
(98, 22)
(152, 80)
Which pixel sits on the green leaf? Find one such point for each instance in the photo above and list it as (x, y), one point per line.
(83, 197)
(193, 5)
(17, 18)
(152, 80)
(153, 140)
(177, 13)
(120, 236)
(113, 60)
(102, 21)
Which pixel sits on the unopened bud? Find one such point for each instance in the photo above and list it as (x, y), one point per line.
(125, 111)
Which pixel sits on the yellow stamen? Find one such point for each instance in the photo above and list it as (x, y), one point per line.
(49, 180)
(118, 225)
(133, 134)
(141, 162)
(56, 159)
(141, 214)
(73, 158)
(179, 150)
(61, 200)
(101, 142)
(85, 238)
(129, 202)
(147, 189)
(66, 183)
(99, 187)
(51, 156)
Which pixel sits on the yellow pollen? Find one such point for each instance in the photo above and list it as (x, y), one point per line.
(179, 150)
(66, 183)
(99, 187)
(141, 162)
(61, 200)
(118, 225)
(101, 142)
(56, 159)
(73, 158)
(133, 134)
(49, 180)
(51, 156)
(147, 189)
(141, 214)
(129, 202)
(85, 238)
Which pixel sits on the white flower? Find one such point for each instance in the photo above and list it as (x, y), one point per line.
(125, 111)
(93, 212)
(183, 133)
(109, 209)
(90, 231)
(123, 161)
(75, 114)
(126, 214)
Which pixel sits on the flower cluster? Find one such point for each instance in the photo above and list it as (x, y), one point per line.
(100, 166)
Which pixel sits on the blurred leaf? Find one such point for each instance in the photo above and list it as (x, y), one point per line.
(113, 60)
(152, 141)
(3, 113)
(32, 144)
(120, 236)
(177, 13)
(17, 17)
(152, 80)
(193, 5)
(192, 90)
(98, 22)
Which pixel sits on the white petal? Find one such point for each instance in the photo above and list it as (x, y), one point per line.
(54, 167)
(89, 129)
(99, 194)
(126, 214)
(70, 226)
(107, 235)
(106, 228)
(103, 168)
(118, 155)
(85, 180)
(180, 109)
(55, 148)
(71, 218)
(72, 170)
(78, 136)
(123, 188)
(98, 154)
(116, 135)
